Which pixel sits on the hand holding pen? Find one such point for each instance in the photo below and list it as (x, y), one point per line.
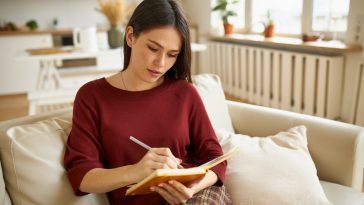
(161, 152)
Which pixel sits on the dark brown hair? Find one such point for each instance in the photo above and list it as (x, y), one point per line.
(151, 14)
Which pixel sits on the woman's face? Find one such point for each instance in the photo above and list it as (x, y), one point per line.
(153, 52)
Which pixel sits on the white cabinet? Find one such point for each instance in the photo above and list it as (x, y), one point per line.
(75, 79)
(19, 76)
(110, 59)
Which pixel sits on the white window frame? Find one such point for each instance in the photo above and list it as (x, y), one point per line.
(306, 21)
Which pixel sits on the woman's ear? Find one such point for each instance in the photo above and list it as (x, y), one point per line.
(129, 35)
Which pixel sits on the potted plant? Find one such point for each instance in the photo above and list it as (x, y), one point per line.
(268, 26)
(117, 12)
(226, 13)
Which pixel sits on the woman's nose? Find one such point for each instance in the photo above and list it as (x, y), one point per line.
(160, 60)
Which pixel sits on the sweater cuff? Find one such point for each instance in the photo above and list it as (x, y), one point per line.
(77, 173)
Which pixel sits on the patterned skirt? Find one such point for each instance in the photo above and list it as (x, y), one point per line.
(213, 195)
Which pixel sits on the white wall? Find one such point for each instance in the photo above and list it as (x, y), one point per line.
(355, 32)
(198, 12)
(70, 13)
(351, 91)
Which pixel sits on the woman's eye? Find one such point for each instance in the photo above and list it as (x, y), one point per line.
(172, 55)
(152, 49)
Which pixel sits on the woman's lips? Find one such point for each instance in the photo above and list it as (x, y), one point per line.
(154, 72)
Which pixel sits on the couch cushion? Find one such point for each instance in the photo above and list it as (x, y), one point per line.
(213, 97)
(4, 197)
(342, 195)
(272, 170)
(32, 158)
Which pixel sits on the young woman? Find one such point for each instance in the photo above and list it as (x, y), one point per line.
(153, 100)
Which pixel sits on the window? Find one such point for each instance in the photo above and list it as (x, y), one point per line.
(292, 17)
(238, 21)
(286, 15)
(330, 15)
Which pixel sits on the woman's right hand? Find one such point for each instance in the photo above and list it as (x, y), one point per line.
(155, 158)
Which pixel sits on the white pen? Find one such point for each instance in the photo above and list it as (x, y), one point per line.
(139, 142)
(147, 147)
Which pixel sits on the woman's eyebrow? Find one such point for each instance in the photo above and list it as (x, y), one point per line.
(160, 46)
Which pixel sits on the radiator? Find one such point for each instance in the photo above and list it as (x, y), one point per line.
(299, 82)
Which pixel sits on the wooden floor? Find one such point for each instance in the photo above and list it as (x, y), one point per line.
(13, 106)
(233, 98)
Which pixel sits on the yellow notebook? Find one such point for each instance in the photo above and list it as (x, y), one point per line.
(182, 175)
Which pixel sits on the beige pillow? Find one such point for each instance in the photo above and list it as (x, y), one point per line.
(213, 97)
(272, 170)
(4, 197)
(32, 159)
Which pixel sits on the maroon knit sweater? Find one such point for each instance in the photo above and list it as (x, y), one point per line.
(170, 115)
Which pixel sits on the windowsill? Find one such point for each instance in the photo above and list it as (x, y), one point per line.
(285, 43)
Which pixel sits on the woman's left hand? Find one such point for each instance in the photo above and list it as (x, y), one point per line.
(174, 192)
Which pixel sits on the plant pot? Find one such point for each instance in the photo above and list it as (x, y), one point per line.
(115, 37)
(228, 28)
(269, 31)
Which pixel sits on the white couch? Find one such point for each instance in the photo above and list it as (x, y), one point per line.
(31, 151)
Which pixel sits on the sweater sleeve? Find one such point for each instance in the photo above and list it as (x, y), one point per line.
(204, 142)
(83, 150)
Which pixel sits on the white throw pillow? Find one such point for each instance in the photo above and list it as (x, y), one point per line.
(272, 170)
(32, 159)
(213, 97)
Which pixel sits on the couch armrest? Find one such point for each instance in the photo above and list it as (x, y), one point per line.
(5, 125)
(337, 148)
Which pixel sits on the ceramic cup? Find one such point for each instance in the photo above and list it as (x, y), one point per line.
(85, 39)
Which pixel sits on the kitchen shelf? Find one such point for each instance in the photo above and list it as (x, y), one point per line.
(64, 31)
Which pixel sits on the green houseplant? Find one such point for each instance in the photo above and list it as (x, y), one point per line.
(225, 13)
